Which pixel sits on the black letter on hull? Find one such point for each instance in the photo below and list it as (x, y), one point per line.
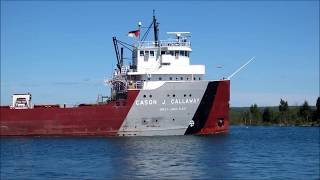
(201, 116)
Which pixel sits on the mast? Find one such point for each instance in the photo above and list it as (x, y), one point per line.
(156, 30)
(115, 44)
(121, 57)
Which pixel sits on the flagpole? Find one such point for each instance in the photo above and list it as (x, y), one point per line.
(139, 27)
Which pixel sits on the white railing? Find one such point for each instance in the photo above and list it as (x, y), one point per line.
(135, 85)
(165, 43)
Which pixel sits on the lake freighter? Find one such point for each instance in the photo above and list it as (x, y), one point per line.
(158, 93)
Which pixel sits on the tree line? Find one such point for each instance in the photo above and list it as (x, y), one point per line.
(282, 114)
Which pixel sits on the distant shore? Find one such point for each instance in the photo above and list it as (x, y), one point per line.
(282, 115)
(277, 125)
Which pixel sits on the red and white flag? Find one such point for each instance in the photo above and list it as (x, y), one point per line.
(134, 33)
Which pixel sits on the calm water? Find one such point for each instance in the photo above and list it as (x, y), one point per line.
(245, 153)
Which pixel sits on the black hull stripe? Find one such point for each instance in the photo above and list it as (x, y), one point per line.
(201, 116)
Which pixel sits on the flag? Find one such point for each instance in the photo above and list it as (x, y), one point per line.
(134, 33)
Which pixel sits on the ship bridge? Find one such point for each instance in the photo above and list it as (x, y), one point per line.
(167, 60)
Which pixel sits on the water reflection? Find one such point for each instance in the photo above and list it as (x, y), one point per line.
(174, 157)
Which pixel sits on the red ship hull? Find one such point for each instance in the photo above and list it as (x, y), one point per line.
(95, 120)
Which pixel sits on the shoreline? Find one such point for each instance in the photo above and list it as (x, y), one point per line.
(277, 125)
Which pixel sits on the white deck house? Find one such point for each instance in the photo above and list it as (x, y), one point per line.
(155, 64)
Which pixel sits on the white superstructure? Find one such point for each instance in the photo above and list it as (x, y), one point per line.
(154, 62)
(170, 61)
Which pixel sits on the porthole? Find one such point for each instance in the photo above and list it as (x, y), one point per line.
(168, 95)
(187, 78)
(199, 78)
(184, 95)
(194, 78)
(150, 96)
(181, 78)
(144, 96)
(149, 79)
(173, 119)
(156, 120)
(176, 78)
(170, 78)
(190, 95)
(173, 95)
(160, 78)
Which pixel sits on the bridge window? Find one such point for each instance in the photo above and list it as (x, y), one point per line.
(163, 52)
(171, 53)
(151, 53)
(187, 53)
(141, 53)
(194, 78)
(199, 78)
(181, 53)
(176, 53)
(146, 57)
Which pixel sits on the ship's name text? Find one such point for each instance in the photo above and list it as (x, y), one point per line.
(183, 101)
(145, 102)
(172, 101)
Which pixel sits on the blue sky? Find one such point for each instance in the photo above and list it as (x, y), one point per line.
(61, 52)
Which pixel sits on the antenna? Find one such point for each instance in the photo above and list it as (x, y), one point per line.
(238, 70)
(155, 29)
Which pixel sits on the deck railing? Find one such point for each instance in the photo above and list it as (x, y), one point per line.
(165, 43)
(135, 85)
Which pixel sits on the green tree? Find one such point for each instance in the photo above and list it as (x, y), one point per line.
(305, 111)
(246, 117)
(318, 105)
(267, 115)
(316, 113)
(283, 109)
(254, 113)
